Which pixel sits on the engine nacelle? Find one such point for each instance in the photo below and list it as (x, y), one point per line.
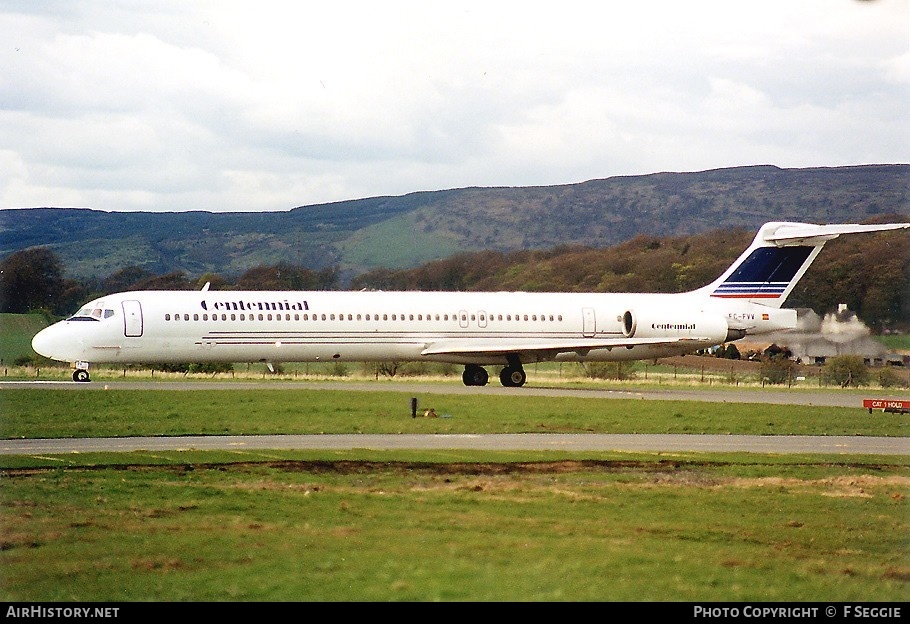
(679, 322)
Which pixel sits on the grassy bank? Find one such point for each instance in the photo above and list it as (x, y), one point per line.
(354, 526)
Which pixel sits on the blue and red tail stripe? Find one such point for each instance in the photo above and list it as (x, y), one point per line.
(751, 290)
(765, 274)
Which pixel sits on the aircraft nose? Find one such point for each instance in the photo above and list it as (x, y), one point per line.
(41, 342)
(46, 342)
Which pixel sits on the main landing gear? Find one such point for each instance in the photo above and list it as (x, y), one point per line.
(512, 376)
(474, 375)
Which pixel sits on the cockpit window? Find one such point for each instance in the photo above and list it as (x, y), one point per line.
(91, 314)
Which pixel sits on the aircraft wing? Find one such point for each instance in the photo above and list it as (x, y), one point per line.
(490, 346)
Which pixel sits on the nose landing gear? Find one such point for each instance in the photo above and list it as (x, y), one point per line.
(81, 372)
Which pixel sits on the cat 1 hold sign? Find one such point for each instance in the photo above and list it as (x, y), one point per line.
(895, 406)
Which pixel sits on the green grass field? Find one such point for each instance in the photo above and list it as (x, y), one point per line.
(274, 525)
(16, 332)
(899, 343)
(115, 412)
(396, 527)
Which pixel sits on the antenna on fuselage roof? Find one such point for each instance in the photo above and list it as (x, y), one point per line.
(206, 287)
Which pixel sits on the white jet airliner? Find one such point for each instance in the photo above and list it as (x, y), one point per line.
(508, 329)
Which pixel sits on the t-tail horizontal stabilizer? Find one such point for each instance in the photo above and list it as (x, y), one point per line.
(808, 234)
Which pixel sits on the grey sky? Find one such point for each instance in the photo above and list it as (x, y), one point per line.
(254, 106)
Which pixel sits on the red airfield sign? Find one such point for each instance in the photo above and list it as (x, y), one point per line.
(887, 405)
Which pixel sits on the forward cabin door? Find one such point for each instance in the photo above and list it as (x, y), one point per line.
(132, 319)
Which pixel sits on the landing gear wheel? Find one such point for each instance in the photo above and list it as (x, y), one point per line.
(80, 374)
(512, 377)
(474, 375)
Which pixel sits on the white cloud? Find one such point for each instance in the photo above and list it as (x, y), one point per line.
(233, 105)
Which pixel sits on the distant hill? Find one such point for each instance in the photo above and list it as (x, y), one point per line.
(406, 231)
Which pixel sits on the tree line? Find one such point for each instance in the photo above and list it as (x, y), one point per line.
(32, 280)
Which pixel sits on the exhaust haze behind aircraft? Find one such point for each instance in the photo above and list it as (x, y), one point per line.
(475, 329)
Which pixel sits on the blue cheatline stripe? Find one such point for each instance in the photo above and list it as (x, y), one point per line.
(766, 273)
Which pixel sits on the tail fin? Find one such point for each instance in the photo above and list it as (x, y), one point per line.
(778, 257)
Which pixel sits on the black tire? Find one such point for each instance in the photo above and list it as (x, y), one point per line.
(512, 377)
(475, 376)
(81, 375)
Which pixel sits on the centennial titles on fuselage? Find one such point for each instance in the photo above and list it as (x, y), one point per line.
(255, 305)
